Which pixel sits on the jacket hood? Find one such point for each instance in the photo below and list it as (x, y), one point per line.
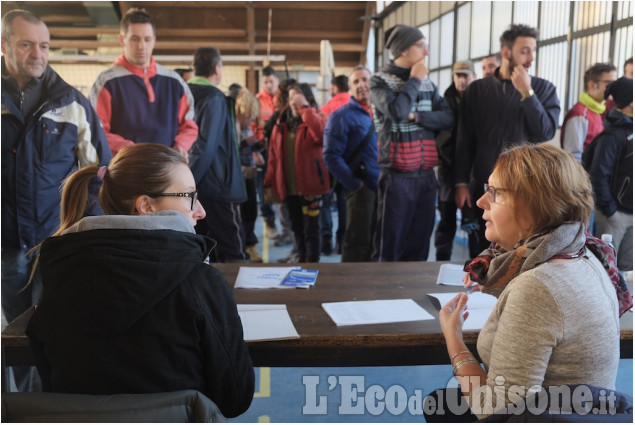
(201, 91)
(105, 273)
(615, 118)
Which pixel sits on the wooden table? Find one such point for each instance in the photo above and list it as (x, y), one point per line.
(321, 342)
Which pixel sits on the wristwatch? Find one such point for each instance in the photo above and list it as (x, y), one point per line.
(528, 94)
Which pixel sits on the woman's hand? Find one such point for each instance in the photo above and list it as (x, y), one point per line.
(452, 316)
(297, 101)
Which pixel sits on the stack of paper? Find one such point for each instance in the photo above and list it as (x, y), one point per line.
(450, 274)
(275, 277)
(265, 322)
(479, 305)
(376, 311)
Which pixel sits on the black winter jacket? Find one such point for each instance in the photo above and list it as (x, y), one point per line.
(214, 157)
(494, 117)
(618, 132)
(134, 309)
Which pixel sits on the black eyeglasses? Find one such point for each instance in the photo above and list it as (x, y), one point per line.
(492, 192)
(191, 195)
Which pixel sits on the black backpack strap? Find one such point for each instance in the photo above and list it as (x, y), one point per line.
(362, 145)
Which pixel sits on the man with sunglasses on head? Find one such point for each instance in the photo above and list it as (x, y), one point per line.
(509, 108)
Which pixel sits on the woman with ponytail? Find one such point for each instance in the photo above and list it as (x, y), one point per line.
(128, 303)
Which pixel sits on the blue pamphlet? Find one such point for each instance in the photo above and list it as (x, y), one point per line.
(300, 278)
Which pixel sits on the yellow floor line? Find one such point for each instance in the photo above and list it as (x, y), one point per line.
(265, 246)
(265, 383)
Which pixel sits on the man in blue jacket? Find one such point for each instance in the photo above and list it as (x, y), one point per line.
(49, 130)
(350, 154)
(408, 112)
(215, 161)
(505, 109)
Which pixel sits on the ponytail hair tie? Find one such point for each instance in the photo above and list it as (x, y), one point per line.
(101, 173)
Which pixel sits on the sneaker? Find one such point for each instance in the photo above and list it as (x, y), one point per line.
(253, 254)
(283, 239)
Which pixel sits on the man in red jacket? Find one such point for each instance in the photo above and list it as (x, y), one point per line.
(140, 101)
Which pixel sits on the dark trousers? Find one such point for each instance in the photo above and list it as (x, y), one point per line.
(249, 212)
(405, 216)
(446, 229)
(305, 224)
(266, 209)
(326, 220)
(361, 215)
(223, 224)
(473, 223)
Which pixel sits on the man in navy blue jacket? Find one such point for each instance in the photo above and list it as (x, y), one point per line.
(350, 154)
(49, 130)
(215, 161)
(505, 109)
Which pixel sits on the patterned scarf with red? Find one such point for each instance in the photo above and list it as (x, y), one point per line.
(495, 267)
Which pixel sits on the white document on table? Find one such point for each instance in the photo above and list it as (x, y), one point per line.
(479, 305)
(450, 274)
(375, 311)
(262, 277)
(265, 322)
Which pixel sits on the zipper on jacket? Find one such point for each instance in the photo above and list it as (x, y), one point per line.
(319, 170)
(148, 85)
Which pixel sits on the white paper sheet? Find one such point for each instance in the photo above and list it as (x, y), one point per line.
(265, 322)
(261, 277)
(376, 311)
(479, 305)
(450, 274)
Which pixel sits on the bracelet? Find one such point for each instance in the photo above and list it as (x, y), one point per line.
(462, 362)
(459, 353)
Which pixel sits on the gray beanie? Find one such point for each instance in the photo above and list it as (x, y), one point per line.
(400, 37)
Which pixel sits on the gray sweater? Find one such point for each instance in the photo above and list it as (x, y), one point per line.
(553, 325)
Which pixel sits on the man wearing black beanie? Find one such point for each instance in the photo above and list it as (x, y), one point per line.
(609, 159)
(408, 112)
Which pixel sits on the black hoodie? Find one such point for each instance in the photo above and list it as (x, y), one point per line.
(130, 310)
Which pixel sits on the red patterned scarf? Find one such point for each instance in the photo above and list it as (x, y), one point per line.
(495, 267)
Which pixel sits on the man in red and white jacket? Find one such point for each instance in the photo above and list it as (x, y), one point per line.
(584, 121)
(140, 101)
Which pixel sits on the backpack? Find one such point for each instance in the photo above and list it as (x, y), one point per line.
(621, 182)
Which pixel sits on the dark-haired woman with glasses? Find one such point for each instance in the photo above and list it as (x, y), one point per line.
(556, 321)
(128, 303)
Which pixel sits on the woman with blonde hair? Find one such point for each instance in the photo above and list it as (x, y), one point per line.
(556, 321)
(128, 303)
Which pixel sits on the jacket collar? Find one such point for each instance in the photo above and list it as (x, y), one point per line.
(139, 71)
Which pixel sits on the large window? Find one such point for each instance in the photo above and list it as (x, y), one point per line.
(573, 36)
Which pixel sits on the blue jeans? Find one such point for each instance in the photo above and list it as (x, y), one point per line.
(16, 299)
